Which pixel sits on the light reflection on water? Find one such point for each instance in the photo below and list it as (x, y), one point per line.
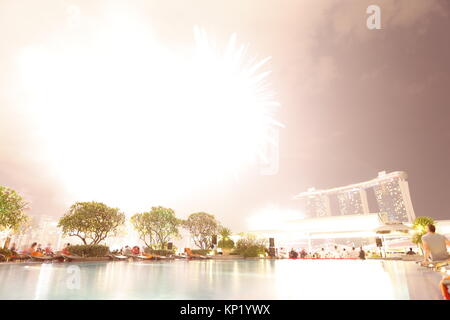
(239, 279)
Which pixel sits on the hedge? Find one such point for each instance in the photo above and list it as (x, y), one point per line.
(159, 252)
(252, 252)
(89, 250)
(202, 252)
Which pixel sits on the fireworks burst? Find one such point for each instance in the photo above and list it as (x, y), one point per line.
(233, 90)
(127, 111)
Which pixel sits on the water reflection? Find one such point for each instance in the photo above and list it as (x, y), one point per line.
(240, 279)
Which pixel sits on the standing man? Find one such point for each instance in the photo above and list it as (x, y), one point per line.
(434, 246)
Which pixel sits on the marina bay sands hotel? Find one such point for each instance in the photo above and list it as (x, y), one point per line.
(389, 190)
(354, 211)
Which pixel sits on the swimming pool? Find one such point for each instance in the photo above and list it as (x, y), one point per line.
(214, 279)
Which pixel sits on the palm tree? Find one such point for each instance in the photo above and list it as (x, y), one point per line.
(420, 226)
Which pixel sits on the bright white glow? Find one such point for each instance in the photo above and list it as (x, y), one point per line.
(338, 224)
(127, 121)
(44, 280)
(272, 218)
(327, 279)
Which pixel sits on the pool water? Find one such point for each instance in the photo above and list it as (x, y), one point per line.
(215, 279)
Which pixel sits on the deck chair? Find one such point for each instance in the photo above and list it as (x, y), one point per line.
(72, 257)
(118, 257)
(19, 257)
(194, 256)
(42, 258)
(143, 257)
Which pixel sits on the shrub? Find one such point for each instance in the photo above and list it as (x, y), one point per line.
(253, 251)
(250, 246)
(89, 250)
(159, 252)
(5, 252)
(226, 244)
(203, 252)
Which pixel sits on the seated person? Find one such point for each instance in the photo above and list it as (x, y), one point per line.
(336, 252)
(353, 253)
(48, 250)
(65, 250)
(31, 249)
(303, 254)
(293, 254)
(434, 246)
(362, 254)
(127, 251)
(136, 250)
(410, 252)
(34, 252)
(13, 249)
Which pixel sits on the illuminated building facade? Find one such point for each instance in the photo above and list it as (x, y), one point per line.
(318, 205)
(394, 200)
(353, 202)
(391, 193)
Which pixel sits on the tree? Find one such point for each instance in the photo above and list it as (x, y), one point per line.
(156, 227)
(92, 221)
(420, 227)
(224, 232)
(225, 242)
(202, 226)
(12, 206)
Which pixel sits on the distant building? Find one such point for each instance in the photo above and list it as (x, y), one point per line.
(42, 229)
(393, 198)
(391, 192)
(317, 205)
(353, 201)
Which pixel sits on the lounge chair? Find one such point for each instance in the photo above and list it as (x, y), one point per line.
(72, 257)
(131, 255)
(439, 264)
(194, 256)
(116, 257)
(144, 257)
(436, 265)
(3, 258)
(42, 258)
(19, 257)
(163, 257)
(177, 256)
